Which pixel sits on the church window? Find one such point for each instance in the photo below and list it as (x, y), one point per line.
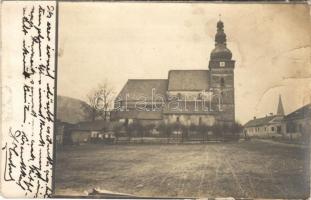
(222, 82)
(200, 120)
(222, 64)
(272, 129)
(177, 119)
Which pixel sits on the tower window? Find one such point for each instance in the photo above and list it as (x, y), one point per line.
(178, 96)
(222, 82)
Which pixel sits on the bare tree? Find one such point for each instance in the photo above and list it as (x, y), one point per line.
(100, 100)
(106, 98)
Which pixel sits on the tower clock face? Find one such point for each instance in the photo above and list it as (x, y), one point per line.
(222, 64)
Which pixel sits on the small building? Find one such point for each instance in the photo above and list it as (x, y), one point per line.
(61, 132)
(265, 127)
(297, 125)
(268, 126)
(90, 131)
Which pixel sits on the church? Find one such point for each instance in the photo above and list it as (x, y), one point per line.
(187, 96)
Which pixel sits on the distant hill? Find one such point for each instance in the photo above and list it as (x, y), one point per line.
(71, 110)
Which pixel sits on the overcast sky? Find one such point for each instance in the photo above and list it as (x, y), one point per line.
(120, 41)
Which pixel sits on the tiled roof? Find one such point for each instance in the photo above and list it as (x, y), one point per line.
(259, 121)
(138, 89)
(301, 113)
(96, 125)
(188, 80)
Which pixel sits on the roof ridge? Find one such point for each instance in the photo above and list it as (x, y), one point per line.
(188, 70)
(270, 117)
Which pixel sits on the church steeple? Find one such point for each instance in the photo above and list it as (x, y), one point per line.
(280, 110)
(221, 75)
(221, 52)
(220, 37)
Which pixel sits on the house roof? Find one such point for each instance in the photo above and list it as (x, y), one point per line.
(141, 89)
(188, 80)
(259, 121)
(301, 113)
(97, 125)
(61, 123)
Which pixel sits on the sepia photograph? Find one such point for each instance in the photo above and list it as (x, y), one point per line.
(182, 100)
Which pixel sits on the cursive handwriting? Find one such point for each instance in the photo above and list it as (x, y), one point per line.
(28, 151)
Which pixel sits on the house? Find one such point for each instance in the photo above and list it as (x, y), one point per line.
(61, 133)
(297, 125)
(187, 97)
(90, 131)
(268, 126)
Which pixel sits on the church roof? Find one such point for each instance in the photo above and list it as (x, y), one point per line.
(188, 80)
(137, 89)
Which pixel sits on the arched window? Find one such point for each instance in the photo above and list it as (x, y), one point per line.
(126, 122)
(222, 82)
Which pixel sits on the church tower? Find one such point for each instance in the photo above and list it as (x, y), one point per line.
(221, 67)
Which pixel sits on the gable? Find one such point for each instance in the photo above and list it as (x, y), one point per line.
(188, 80)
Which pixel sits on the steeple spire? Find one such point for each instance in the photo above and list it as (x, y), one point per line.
(280, 110)
(220, 37)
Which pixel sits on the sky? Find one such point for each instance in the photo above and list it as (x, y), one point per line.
(270, 43)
